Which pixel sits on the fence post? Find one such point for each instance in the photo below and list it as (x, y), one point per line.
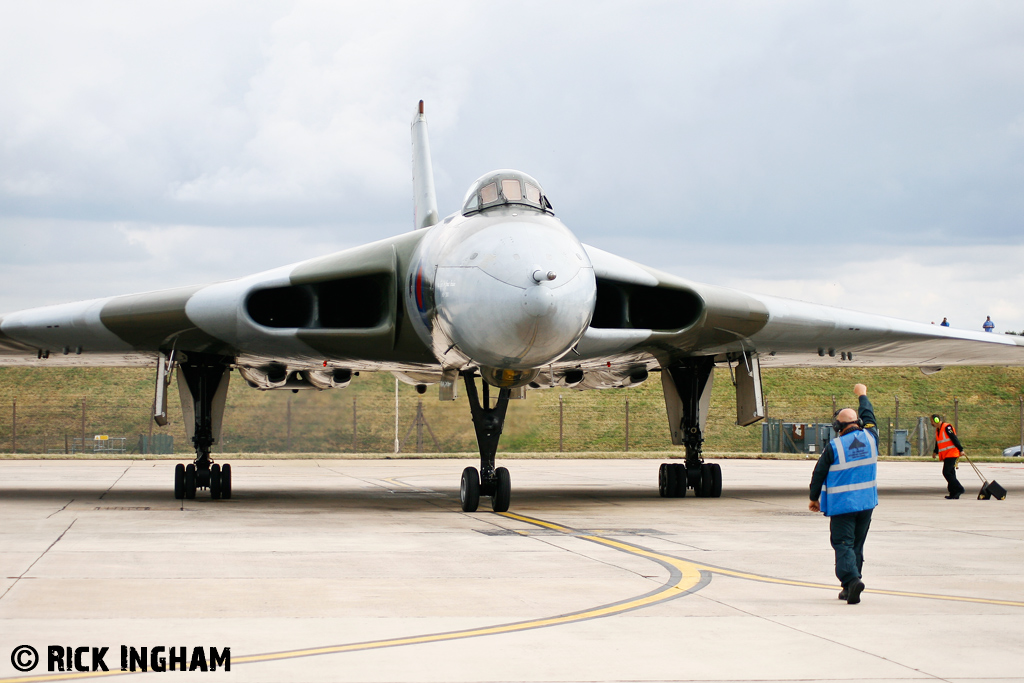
(65, 443)
(397, 444)
(921, 436)
(561, 422)
(419, 426)
(833, 405)
(14, 426)
(83, 425)
(896, 420)
(1020, 399)
(354, 442)
(956, 414)
(627, 424)
(288, 420)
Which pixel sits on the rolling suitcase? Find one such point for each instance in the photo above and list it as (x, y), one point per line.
(989, 489)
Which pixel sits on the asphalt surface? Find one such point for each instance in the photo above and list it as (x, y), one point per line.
(368, 571)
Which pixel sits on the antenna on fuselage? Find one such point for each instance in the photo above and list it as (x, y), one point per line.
(424, 197)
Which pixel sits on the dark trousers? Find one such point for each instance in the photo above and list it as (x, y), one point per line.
(954, 487)
(848, 533)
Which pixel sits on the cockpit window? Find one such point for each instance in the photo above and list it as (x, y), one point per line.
(512, 190)
(489, 193)
(505, 187)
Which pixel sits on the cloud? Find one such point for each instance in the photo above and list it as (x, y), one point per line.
(54, 261)
(228, 134)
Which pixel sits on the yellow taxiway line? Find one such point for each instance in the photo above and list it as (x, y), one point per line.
(684, 577)
(712, 569)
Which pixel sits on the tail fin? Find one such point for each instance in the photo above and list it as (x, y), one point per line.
(424, 197)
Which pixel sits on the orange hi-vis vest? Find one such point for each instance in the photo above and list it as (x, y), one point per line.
(946, 447)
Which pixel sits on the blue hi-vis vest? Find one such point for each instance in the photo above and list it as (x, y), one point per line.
(850, 485)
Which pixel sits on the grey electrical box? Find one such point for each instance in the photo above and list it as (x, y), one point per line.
(901, 442)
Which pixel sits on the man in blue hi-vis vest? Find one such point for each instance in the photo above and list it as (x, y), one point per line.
(844, 487)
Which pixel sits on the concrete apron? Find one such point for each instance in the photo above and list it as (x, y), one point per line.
(369, 571)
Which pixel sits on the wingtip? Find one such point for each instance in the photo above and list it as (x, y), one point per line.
(421, 106)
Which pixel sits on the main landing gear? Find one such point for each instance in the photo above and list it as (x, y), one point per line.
(687, 387)
(488, 423)
(189, 478)
(675, 478)
(203, 384)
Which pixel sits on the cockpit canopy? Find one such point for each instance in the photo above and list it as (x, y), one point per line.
(505, 187)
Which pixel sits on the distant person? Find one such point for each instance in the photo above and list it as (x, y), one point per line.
(948, 449)
(844, 487)
(988, 326)
(944, 323)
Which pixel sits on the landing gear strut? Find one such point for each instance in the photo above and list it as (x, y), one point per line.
(203, 383)
(687, 386)
(488, 423)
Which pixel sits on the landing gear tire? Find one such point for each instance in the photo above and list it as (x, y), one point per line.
(703, 488)
(215, 481)
(716, 481)
(225, 482)
(469, 490)
(677, 480)
(190, 481)
(179, 481)
(502, 490)
(663, 487)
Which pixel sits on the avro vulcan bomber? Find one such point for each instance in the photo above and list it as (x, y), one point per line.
(499, 296)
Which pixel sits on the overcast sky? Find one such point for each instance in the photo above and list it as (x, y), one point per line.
(868, 155)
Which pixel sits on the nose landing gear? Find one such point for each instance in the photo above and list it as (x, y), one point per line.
(488, 423)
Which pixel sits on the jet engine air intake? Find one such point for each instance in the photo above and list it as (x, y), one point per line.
(359, 302)
(622, 305)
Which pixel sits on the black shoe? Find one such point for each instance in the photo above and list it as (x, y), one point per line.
(953, 497)
(843, 593)
(854, 591)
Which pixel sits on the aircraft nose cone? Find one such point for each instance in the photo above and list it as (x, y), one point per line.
(498, 302)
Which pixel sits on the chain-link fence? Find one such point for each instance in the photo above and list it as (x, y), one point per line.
(41, 418)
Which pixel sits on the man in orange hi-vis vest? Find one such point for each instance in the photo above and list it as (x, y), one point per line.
(948, 448)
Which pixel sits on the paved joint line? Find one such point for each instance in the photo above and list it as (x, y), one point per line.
(547, 541)
(29, 568)
(115, 482)
(62, 509)
(826, 639)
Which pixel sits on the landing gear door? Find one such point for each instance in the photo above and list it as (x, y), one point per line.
(163, 366)
(749, 398)
(188, 406)
(679, 389)
(219, 399)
